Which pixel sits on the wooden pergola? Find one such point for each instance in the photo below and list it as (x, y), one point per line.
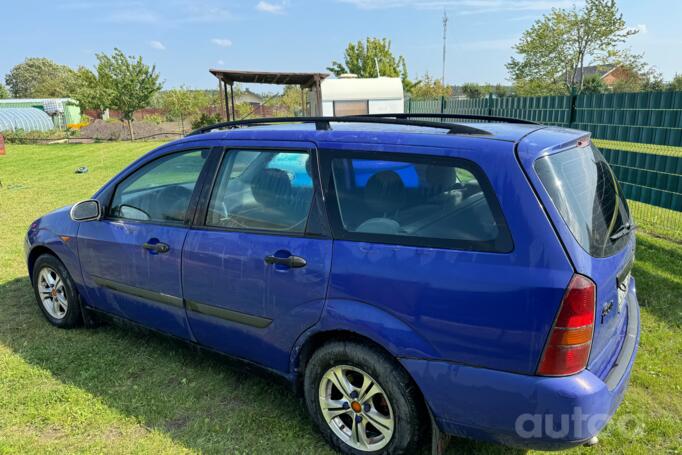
(310, 81)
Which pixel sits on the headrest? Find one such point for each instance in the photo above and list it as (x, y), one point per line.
(271, 187)
(385, 192)
(441, 178)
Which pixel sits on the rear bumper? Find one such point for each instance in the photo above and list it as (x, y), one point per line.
(521, 410)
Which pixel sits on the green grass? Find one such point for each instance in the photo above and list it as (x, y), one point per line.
(112, 390)
(637, 147)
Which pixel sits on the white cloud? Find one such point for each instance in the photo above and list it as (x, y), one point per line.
(222, 42)
(221, 62)
(157, 45)
(464, 7)
(272, 8)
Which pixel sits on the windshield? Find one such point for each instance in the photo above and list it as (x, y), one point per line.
(588, 197)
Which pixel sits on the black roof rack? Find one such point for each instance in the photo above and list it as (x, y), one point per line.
(322, 123)
(489, 118)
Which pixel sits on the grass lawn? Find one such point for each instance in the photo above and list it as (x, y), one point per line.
(111, 390)
(637, 147)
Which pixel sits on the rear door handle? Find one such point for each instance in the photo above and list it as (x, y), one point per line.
(156, 247)
(292, 261)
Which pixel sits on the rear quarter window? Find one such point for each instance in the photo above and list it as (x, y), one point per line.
(420, 201)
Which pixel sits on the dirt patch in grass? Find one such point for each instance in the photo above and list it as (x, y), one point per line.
(112, 131)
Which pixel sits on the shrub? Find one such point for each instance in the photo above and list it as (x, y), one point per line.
(32, 137)
(206, 120)
(155, 119)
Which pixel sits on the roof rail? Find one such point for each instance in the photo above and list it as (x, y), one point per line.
(445, 116)
(323, 123)
(490, 118)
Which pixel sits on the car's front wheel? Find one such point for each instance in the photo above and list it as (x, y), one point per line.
(55, 292)
(361, 399)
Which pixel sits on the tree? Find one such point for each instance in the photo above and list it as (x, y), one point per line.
(182, 103)
(429, 88)
(40, 78)
(292, 100)
(130, 83)
(594, 84)
(91, 90)
(500, 91)
(472, 90)
(557, 47)
(676, 83)
(3, 92)
(372, 58)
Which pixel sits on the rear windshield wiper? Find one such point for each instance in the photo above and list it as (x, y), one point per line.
(623, 231)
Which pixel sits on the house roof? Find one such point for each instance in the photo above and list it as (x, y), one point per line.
(265, 77)
(600, 70)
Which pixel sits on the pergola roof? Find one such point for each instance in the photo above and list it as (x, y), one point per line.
(305, 80)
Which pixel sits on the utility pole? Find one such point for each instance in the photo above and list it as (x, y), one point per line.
(445, 36)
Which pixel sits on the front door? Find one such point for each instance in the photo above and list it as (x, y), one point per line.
(131, 259)
(257, 261)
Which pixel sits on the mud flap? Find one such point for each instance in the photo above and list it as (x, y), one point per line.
(439, 440)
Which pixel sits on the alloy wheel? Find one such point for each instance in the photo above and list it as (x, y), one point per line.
(356, 408)
(52, 293)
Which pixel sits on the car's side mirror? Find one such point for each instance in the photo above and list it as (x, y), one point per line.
(88, 210)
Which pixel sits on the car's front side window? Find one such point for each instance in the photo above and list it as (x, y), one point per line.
(159, 191)
(436, 203)
(262, 190)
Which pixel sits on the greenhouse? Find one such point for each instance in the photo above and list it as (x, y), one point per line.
(63, 111)
(24, 118)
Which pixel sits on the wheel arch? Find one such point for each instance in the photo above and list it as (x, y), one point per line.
(34, 254)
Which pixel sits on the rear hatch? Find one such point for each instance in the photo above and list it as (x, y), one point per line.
(593, 220)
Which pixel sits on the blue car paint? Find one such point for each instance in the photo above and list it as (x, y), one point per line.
(56, 232)
(465, 360)
(217, 264)
(110, 249)
(485, 404)
(603, 271)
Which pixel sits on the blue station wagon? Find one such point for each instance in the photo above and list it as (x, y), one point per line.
(412, 276)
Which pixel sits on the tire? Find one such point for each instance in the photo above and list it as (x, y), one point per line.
(56, 293)
(391, 399)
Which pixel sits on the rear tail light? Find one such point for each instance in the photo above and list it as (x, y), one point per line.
(570, 340)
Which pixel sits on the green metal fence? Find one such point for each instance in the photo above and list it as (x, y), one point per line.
(640, 134)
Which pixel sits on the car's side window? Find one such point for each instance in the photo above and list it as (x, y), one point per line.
(439, 203)
(262, 190)
(159, 191)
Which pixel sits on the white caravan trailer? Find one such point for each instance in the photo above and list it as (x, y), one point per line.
(349, 95)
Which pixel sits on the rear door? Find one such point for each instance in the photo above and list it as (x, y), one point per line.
(590, 210)
(131, 258)
(256, 262)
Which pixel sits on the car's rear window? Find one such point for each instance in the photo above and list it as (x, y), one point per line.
(588, 197)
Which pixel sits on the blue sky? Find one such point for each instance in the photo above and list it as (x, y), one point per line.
(184, 38)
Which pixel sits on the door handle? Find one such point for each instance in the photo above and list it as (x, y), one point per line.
(156, 247)
(292, 261)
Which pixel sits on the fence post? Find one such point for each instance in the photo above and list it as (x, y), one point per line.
(490, 104)
(572, 109)
(442, 104)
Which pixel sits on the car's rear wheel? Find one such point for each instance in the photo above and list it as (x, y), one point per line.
(361, 399)
(55, 292)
